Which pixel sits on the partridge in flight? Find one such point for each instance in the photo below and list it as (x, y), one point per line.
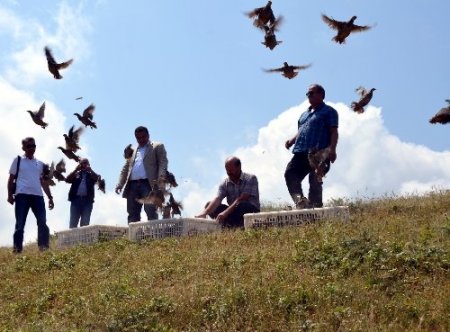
(38, 116)
(319, 162)
(443, 116)
(72, 138)
(366, 96)
(87, 117)
(344, 29)
(69, 154)
(287, 70)
(262, 15)
(53, 66)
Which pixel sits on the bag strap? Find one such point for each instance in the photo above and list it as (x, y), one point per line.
(17, 170)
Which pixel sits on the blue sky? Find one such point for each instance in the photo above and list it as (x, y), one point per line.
(192, 73)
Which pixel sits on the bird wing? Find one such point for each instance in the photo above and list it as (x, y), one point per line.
(61, 166)
(40, 112)
(332, 23)
(277, 22)
(76, 134)
(89, 112)
(254, 12)
(359, 28)
(49, 55)
(443, 116)
(301, 67)
(361, 91)
(66, 64)
(274, 70)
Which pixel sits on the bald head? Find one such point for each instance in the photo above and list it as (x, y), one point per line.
(233, 168)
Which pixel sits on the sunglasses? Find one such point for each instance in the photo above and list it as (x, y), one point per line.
(29, 146)
(310, 93)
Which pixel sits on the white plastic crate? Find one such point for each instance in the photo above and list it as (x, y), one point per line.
(158, 229)
(294, 217)
(89, 234)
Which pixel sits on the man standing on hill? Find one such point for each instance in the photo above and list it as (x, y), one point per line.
(25, 186)
(317, 130)
(146, 167)
(242, 193)
(81, 193)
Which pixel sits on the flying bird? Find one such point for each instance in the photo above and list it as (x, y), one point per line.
(72, 138)
(87, 117)
(155, 197)
(319, 162)
(175, 206)
(38, 116)
(78, 98)
(101, 184)
(366, 96)
(344, 29)
(69, 154)
(270, 39)
(287, 70)
(128, 151)
(443, 116)
(47, 174)
(60, 168)
(262, 15)
(53, 66)
(170, 178)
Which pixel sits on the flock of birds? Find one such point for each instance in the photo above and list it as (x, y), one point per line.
(72, 139)
(264, 19)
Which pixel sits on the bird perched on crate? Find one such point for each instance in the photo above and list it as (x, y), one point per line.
(53, 66)
(87, 117)
(287, 70)
(72, 138)
(38, 116)
(69, 154)
(101, 184)
(60, 168)
(344, 29)
(128, 152)
(47, 174)
(366, 97)
(443, 116)
(262, 15)
(319, 162)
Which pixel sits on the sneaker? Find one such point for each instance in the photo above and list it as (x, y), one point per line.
(301, 202)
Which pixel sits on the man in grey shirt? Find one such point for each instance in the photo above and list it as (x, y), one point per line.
(242, 194)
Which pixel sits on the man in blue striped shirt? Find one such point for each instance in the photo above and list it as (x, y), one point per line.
(317, 130)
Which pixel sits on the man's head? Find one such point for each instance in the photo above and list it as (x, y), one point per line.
(233, 168)
(29, 146)
(142, 135)
(315, 94)
(84, 162)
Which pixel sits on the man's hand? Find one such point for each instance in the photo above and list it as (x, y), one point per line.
(202, 215)
(51, 205)
(289, 143)
(11, 199)
(118, 190)
(221, 217)
(332, 156)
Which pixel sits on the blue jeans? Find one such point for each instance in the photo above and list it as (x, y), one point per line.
(80, 210)
(139, 189)
(23, 204)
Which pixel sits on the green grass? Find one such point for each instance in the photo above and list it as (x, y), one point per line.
(388, 269)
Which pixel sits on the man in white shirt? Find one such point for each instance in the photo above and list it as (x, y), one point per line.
(25, 174)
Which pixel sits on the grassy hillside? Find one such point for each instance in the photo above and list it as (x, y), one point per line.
(388, 269)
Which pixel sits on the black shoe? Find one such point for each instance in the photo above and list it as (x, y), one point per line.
(43, 248)
(17, 251)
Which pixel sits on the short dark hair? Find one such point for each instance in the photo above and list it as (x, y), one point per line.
(235, 160)
(27, 139)
(320, 89)
(141, 129)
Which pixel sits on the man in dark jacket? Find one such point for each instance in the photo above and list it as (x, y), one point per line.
(81, 193)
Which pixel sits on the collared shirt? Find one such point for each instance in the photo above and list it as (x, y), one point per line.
(247, 184)
(138, 170)
(314, 128)
(29, 177)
